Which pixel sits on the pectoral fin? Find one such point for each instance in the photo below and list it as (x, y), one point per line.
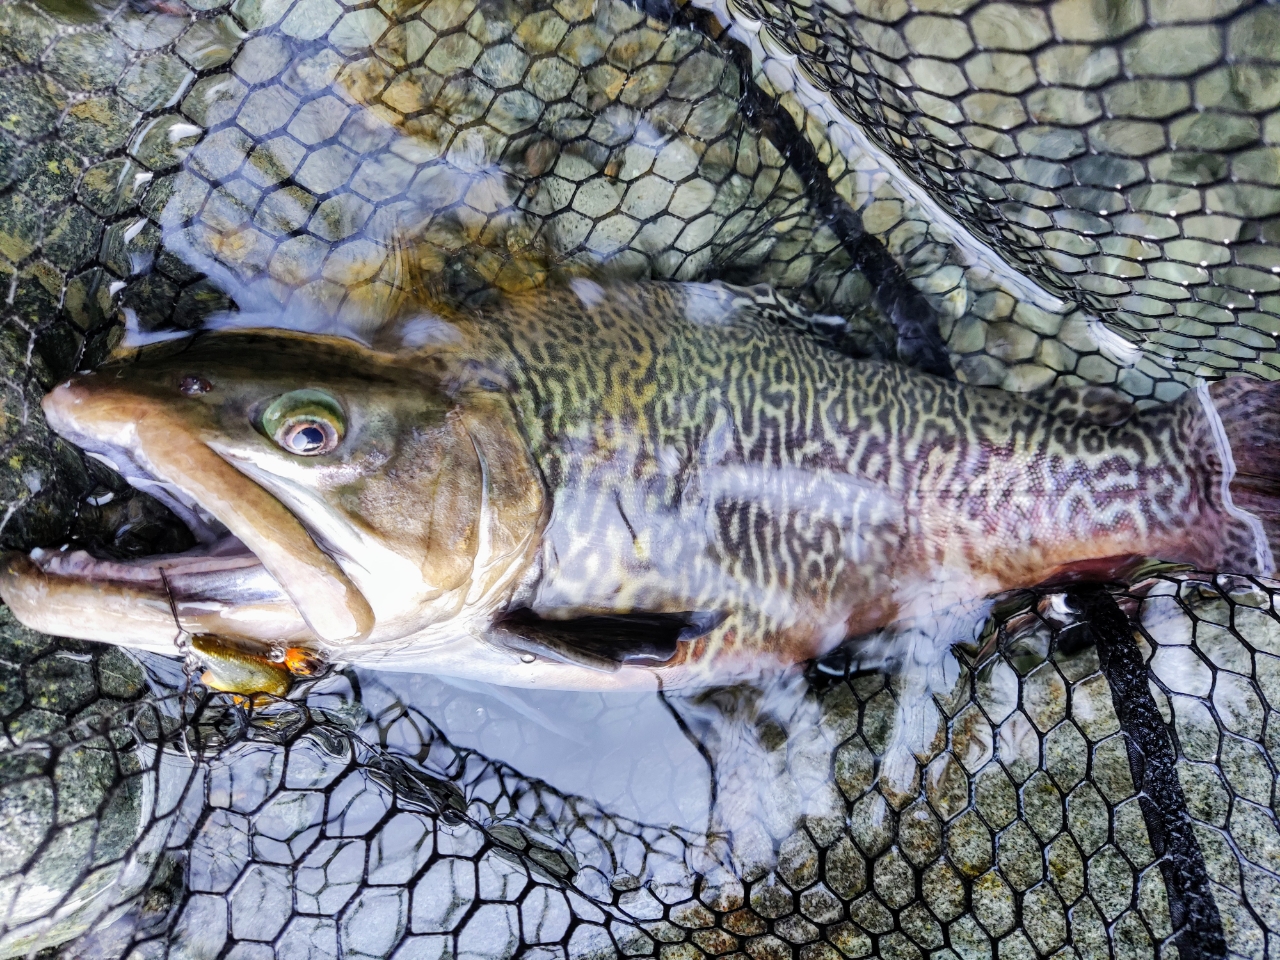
(604, 642)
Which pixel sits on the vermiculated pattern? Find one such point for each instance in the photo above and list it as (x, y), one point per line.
(1015, 832)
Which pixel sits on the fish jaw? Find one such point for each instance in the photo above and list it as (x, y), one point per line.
(150, 604)
(119, 419)
(85, 609)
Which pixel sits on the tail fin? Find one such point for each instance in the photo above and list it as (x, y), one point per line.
(1246, 433)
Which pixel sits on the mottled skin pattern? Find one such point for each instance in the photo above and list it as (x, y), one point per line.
(699, 457)
(650, 449)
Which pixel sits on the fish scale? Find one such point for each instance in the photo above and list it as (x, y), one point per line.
(699, 456)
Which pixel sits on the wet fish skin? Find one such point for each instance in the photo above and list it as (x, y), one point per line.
(698, 456)
(650, 448)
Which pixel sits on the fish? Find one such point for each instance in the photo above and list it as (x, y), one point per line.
(615, 487)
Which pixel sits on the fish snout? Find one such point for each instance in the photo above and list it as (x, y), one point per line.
(101, 412)
(64, 403)
(86, 407)
(23, 587)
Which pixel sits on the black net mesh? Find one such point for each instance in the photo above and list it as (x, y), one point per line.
(142, 814)
(161, 163)
(1120, 155)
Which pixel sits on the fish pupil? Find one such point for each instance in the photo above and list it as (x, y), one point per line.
(308, 438)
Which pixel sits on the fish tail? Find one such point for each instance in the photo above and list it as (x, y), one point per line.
(1241, 438)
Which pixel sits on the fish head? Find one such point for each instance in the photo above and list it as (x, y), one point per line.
(372, 498)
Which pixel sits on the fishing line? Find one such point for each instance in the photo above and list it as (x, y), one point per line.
(182, 642)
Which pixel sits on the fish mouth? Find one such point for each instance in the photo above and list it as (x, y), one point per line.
(255, 576)
(150, 603)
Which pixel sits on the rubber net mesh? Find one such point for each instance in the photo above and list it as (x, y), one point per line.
(142, 815)
(1016, 195)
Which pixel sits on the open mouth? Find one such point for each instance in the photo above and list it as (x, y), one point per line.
(222, 589)
(218, 587)
(255, 575)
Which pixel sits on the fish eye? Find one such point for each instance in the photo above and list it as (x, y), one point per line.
(307, 423)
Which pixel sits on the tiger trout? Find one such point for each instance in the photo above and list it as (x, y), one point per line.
(595, 487)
